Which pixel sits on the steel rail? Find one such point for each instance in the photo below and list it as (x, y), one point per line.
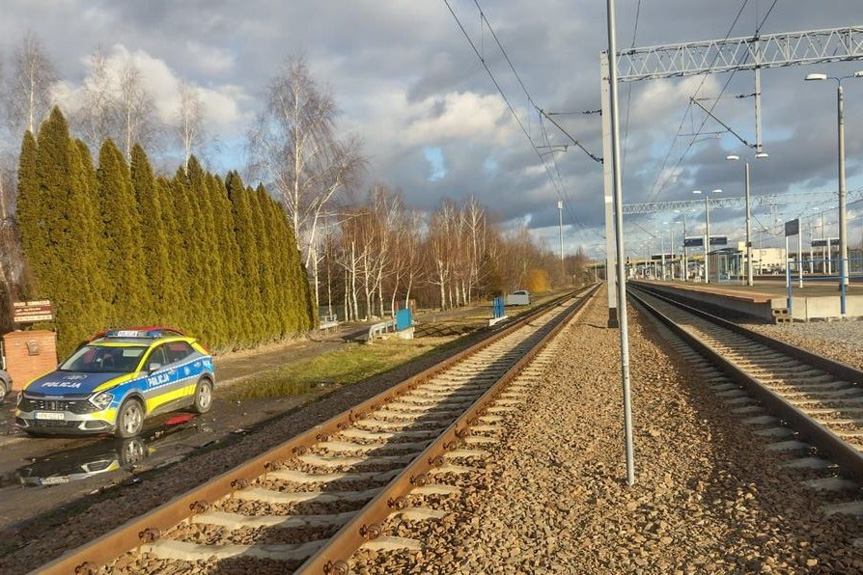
(87, 558)
(844, 454)
(332, 559)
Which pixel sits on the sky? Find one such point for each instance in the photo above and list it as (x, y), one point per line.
(408, 82)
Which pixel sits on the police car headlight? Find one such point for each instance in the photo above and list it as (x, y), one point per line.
(102, 400)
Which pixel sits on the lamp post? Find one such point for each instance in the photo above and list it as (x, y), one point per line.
(706, 232)
(843, 220)
(735, 157)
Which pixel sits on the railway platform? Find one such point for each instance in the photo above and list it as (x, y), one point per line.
(768, 298)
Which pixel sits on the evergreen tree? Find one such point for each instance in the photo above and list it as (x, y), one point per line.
(122, 232)
(91, 237)
(81, 296)
(157, 265)
(187, 238)
(56, 162)
(175, 302)
(231, 293)
(244, 229)
(270, 327)
(29, 215)
(206, 290)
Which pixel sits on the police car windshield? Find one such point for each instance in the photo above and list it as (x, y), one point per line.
(105, 359)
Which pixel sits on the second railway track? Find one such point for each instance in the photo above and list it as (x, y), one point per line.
(802, 402)
(308, 504)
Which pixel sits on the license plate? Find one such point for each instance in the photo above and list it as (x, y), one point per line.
(54, 415)
(54, 480)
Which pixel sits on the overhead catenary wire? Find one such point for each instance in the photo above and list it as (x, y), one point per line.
(654, 191)
(558, 185)
(629, 94)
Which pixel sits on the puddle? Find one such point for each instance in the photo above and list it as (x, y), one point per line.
(101, 457)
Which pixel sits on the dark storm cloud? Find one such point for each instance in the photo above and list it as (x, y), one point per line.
(407, 81)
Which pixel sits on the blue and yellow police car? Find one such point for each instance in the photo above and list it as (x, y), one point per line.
(114, 382)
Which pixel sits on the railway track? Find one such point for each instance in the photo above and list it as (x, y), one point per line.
(806, 406)
(307, 505)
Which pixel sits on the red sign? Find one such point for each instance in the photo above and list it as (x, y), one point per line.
(32, 311)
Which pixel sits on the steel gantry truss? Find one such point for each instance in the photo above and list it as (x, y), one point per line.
(729, 202)
(713, 57)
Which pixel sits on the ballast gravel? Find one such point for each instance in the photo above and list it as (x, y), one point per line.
(709, 498)
(839, 340)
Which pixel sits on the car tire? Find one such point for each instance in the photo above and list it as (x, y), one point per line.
(203, 396)
(130, 419)
(131, 452)
(4, 389)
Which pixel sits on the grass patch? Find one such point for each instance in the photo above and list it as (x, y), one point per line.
(355, 362)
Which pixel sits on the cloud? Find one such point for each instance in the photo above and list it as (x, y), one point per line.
(459, 116)
(222, 105)
(406, 80)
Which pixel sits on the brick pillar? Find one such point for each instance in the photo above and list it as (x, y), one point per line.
(29, 354)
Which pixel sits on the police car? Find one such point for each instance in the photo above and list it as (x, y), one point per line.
(112, 383)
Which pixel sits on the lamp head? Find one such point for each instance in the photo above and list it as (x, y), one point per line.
(762, 156)
(732, 157)
(717, 191)
(696, 191)
(815, 77)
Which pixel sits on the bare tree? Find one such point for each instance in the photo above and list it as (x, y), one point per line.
(29, 94)
(190, 116)
(98, 118)
(294, 145)
(137, 110)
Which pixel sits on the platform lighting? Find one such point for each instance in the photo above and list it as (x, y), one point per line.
(735, 157)
(843, 192)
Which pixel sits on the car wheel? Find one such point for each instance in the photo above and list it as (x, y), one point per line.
(132, 451)
(130, 419)
(3, 390)
(203, 396)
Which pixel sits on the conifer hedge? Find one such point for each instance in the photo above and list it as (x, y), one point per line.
(112, 245)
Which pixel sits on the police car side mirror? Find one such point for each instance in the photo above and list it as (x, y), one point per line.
(153, 367)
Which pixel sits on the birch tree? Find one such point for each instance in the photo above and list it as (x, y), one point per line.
(294, 144)
(137, 110)
(190, 121)
(98, 117)
(29, 93)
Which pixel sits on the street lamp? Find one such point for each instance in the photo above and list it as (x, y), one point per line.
(843, 220)
(706, 232)
(733, 158)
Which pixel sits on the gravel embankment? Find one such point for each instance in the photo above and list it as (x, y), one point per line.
(708, 497)
(839, 340)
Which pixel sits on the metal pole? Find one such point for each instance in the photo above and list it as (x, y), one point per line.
(685, 273)
(662, 254)
(618, 221)
(800, 256)
(749, 280)
(672, 251)
(706, 238)
(787, 277)
(843, 216)
(811, 248)
(758, 144)
(608, 190)
(560, 227)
